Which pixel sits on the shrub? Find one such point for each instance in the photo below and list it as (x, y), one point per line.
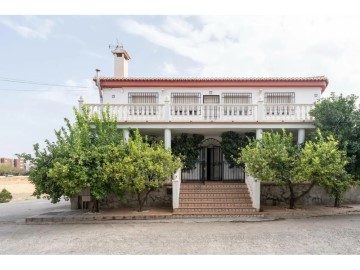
(5, 196)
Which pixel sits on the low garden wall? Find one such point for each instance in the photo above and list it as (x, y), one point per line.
(161, 197)
(274, 195)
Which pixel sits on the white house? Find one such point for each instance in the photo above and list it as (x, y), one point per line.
(167, 107)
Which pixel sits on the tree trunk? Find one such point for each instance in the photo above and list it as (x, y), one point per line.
(337, 201)
(292, 196)
(95, 206)
(142, 201)
(292, 202)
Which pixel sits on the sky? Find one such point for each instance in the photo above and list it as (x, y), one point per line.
(47, 62)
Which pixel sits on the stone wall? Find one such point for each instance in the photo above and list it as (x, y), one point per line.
(161, 197)
(274, 195)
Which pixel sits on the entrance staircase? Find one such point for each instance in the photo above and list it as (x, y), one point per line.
(215, 199)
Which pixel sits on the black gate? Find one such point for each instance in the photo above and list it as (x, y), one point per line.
(212, 166)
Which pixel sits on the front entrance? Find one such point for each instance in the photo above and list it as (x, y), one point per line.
(211, 163)
(212, 166)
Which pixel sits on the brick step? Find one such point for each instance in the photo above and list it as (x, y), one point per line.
(212, 204)
(222, 209)
(213, 194)
(205, 189)
(213, 186)
(217, 214)
(215, 199)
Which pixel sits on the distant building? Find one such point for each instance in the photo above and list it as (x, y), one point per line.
(19, 164)
(8, 161)
(14, 163)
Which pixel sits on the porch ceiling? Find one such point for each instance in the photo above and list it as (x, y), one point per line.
(203, 131)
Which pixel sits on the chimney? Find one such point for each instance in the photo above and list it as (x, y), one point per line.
(121, 58)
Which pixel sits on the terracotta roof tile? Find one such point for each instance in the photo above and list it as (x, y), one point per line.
(313, 78)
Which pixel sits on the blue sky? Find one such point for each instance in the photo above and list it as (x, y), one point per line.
(66, 50)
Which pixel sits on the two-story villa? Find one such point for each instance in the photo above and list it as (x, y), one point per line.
(168, 107)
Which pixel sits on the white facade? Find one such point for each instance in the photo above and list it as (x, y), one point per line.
(168, 107)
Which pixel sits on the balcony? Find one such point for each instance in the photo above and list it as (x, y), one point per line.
(207, 112)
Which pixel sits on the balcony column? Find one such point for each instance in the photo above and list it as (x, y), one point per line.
(260, 106)
(126, 134)
(81, 103)
(259, 133)
(301, 135)
(167, 109)
(167, 138)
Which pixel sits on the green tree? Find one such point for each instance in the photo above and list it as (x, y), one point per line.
(77, 159)
(143, 168)
(275, 158)
(324, 163)
(5, 196)
(187, 148)
(231, 142)
(340, 116)
(6, 169)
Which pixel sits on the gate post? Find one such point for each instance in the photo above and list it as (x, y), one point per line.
(176, 189)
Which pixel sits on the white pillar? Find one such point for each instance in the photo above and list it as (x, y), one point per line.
(167, 109)
(81, 103)
(167, 138)
(259, 133)
(301, 135)
(257, 194)
(176, 188)
(126, 134)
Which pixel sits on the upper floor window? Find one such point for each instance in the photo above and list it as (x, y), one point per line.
(143, 98)
(280, 98)
(237, 98)
(185, 98)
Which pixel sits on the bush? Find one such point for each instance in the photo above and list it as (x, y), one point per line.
(5, 196)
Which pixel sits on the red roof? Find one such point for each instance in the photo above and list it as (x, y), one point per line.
(317, 81)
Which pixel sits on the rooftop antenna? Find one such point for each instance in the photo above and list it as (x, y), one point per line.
(117, 46)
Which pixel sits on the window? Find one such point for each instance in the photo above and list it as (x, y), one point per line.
(211, 99)
(185, 98)
(236, 104)
(237, 98)
(280, 98)
(146, 104)
(144, 98)
(278, 103)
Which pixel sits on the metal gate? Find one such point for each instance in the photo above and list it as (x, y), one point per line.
(212, 166)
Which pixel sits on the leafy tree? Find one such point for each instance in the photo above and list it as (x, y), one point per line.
(231, 142)
(6, 169)
(322, 162)
(77, 159)
(5, 196)
(275, 158)
(187, 148)
(340, 116)
(143, 167)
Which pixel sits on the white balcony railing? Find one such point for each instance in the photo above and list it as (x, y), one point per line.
(207, 112)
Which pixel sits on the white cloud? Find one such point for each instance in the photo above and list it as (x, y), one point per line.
(30, 27)
(69, 96)
(263, 45)
(168, 69)
(92, 54)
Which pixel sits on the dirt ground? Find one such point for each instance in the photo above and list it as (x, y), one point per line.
(19, 186)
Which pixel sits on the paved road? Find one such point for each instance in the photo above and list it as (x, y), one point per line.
(325, 235)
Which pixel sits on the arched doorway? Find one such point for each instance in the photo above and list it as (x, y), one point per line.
(211, 159)
(212, 166)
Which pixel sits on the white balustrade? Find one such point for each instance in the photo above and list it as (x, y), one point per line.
(285, 112)
(131, 112)
(206, 112)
